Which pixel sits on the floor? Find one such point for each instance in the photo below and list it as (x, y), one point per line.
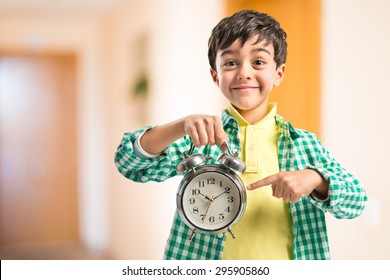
(65, 250)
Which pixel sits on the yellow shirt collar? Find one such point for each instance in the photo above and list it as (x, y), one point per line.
(270, 117)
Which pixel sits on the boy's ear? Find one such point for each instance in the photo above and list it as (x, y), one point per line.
(214, 75)
(279, 75)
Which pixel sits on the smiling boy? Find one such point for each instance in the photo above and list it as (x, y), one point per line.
(291, 178)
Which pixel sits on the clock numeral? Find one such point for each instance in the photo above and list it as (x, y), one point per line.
(211, 219)
(227, 190)
(195, 191)
(210, 181)
(195, 210)
(192, 200)
(230, 199)
(227, 209)
(221, 216)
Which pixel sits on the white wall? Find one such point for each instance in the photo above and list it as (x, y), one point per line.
(355, 116)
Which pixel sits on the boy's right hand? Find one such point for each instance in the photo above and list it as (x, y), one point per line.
(205, 130)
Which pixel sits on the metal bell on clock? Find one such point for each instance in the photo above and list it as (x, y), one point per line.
(189, 162)
(231, 160)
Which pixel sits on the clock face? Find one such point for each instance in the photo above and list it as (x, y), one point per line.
(211, 201)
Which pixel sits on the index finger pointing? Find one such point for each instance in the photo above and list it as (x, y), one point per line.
(264, 182)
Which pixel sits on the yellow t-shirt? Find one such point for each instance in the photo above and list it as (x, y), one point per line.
(265, 230)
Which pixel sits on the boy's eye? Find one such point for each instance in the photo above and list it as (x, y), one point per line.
(258, 62)
(230, 63)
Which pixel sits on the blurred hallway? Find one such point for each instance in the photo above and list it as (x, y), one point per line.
(116, 46)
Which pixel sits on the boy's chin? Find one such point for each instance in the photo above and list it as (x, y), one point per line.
(249, 107)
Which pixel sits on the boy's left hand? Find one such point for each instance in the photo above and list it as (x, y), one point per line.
(292, 186)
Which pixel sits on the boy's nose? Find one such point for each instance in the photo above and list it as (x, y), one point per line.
(244, 73)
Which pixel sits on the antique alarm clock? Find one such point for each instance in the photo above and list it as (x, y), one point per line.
(211, 197)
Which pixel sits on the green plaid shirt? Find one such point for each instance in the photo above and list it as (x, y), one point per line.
(297, 150)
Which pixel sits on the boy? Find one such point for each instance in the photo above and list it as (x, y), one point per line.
(291, 179)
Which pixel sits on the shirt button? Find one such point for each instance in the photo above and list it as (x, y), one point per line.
(251, 129)
(252, 148)
(220, 235)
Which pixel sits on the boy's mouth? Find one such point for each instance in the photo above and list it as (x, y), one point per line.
(245, 87)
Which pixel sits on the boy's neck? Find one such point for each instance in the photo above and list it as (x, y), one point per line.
(254, 115)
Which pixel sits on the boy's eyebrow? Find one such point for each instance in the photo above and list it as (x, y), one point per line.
(232, 52)
(228, 51)
(260, 50)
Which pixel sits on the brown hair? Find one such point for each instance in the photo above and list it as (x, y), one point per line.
(243, 25)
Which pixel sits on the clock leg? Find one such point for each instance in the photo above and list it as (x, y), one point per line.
(231, 232)
(192, 234)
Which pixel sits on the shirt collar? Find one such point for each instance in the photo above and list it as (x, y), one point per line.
(285, 127)
(230, 122)
(269, 118)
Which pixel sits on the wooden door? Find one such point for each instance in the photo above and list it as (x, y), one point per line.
(38, 167)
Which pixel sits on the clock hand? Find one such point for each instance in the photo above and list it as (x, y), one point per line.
(208, 207)
(220, 194)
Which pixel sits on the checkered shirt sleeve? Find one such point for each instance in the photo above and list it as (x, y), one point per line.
(299, 149)
(143, 170)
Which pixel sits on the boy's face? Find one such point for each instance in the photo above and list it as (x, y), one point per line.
(246, 76)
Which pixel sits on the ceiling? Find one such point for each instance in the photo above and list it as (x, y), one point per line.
(59, 6)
